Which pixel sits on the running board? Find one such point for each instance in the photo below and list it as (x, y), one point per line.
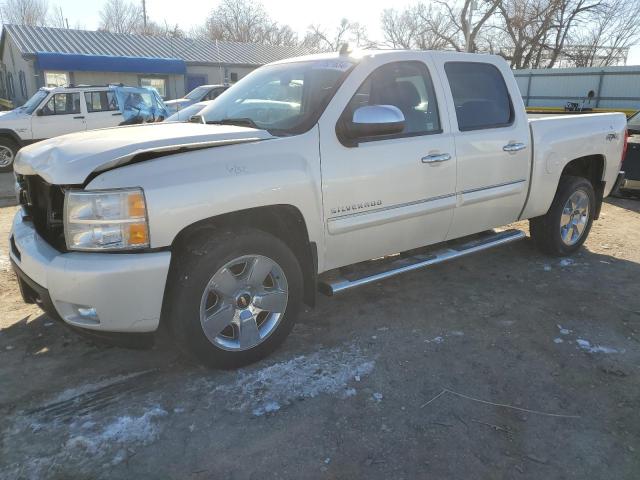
(341, 279)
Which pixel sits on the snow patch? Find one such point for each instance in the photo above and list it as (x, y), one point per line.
(268, 389)
(588, 347)
(558, 340)
(567, 262)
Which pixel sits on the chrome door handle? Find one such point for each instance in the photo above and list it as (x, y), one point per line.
(514, 147)
(436, 158)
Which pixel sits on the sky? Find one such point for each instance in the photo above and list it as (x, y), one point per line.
(298, 14)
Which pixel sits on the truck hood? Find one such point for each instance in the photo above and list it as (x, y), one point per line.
(70, 159)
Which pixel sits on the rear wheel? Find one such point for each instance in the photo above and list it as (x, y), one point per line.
(235, 298)
(565, 227)
(8, 150)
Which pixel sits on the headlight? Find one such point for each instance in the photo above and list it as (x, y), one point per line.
(105, 219)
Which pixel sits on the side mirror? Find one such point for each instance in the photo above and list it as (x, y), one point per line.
(39, 112)
(375, 121)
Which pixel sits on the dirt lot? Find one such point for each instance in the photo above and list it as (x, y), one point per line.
(357, 390)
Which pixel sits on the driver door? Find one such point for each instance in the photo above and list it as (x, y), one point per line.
(62, 113)
(393, 193)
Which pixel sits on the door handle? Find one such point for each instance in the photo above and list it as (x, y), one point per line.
(116, 114)
(79, 117)
(514, 147)
(436, 158)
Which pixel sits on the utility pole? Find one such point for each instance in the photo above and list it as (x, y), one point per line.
(144, 15)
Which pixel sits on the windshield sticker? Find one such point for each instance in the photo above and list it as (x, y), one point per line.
(340, 65)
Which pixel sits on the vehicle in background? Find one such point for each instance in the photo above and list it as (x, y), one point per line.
(185, 114)
(198, 94)
(325, 172)
(52, 112)
(630, 186)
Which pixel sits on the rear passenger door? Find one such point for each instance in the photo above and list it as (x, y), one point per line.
(62, 113)
(492, 145)
(102, 109)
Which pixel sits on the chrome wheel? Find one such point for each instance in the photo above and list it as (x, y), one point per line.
(6, 156)
(575, 217)
(244, 302)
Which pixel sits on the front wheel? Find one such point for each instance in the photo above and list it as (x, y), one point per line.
(8, 150)
(235, 297)
(565, 227)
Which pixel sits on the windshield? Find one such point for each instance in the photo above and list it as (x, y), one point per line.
(186, 113)
(34, 101)
(633, 124)
(284, 99)
(197, 93)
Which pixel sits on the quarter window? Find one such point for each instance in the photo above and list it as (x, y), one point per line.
(104, 101)
(480, 95)
(160, 84)
(406, 85)
(62, 104)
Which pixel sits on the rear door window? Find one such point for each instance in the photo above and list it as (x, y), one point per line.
(104, 101)
(480, 96)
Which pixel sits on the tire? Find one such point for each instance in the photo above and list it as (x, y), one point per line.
(565, 227)
(8, 150)
(216, 287)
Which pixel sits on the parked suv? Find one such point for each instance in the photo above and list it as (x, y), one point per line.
(51, 112)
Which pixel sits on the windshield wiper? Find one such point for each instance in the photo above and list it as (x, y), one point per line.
(242, 122)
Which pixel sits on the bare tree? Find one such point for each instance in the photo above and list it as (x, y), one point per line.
(607, 34)
(468, 27)
(418, 27)
(119, 16)
(57, 18)
(25, 12)
(245, 21)
(319, 38)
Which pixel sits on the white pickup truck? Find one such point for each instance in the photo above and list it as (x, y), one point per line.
(220, 230)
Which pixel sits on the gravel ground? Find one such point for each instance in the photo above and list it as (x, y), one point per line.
(507, 364)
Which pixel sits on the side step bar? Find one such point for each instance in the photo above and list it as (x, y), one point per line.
(339, 280)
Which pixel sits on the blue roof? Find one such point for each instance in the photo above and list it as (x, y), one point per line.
(105, 63)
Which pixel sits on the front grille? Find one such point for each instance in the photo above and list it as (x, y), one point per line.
(43, 204)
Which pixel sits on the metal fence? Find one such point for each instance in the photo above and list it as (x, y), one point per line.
(614, 87)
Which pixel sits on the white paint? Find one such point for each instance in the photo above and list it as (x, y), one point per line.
(268, 389)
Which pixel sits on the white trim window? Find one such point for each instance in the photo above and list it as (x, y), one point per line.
(159, 83)
(56, 79)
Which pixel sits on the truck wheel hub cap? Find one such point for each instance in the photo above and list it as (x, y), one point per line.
(244, 302)
(574, 218)
(6, 156)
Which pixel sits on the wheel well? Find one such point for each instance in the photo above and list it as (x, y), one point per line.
(10, 134)
(282, 221)
(590, 167)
